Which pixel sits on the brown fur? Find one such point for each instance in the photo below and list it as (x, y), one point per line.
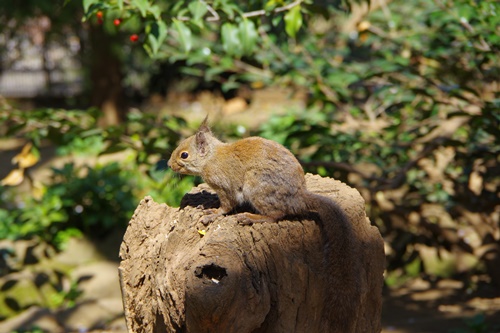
(267, 176)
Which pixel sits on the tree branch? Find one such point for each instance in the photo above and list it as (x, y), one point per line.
(261, 12)
(215, 16)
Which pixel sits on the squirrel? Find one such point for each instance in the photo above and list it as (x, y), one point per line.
(268, 177)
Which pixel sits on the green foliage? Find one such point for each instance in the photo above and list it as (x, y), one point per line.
(403, 105)
(106, 171)
(85, 195)
(67, 298)
(35, 281)
(97, 201)
(239, 40)
(293, 21)
(211, 37)
(58, 126)
(420, 89)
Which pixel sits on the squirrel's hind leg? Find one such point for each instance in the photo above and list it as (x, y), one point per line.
(250, 218)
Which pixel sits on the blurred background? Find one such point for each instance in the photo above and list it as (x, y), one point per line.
(399, 99)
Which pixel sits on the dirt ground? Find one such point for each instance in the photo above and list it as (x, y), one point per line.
(422, 307)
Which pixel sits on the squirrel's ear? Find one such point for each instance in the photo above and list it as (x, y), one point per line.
(204, 126)
(201, 137)
(201, 142)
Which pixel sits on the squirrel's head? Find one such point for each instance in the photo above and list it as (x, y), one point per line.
(192, 154)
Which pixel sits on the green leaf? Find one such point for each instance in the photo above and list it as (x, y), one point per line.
(248, 36)
(142, 5)
(230, 41)
(198, 9)
(156, 11)
(212, 72)
(271, 4)
(157, 35)
(228, 8)
(183, 35)
(88, 3)
(192, 71)
(230, 85)
(293, 21)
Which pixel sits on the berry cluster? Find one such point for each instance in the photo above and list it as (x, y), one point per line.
(100, 20)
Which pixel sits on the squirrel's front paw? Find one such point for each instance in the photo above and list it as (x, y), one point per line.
(207, 219)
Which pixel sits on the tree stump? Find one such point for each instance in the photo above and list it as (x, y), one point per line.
(178, 275)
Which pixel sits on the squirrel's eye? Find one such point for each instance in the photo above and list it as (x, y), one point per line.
(184, 155)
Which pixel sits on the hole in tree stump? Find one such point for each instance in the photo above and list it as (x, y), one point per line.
(211, 272)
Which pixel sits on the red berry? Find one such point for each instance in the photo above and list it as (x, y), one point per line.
(117, 22)
(134, 38)
(99, 21)
(99, 15)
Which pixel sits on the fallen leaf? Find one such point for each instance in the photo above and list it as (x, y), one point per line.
(26, 158)
(14, 178)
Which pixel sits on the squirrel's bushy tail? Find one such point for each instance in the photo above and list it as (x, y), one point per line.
(343, 282)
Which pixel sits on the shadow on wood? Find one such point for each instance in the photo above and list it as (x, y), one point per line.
(178, 275)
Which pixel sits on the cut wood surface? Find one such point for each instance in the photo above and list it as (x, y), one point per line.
(178, 275)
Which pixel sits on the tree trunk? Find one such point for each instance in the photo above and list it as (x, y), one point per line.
(178, 275)
(106, 77)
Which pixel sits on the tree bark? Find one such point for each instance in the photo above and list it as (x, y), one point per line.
(178, 275)
(106, 77)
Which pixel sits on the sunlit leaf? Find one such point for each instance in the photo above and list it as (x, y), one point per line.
(293, 21)
(14, 178)
(271, 4)
(229, 85)
(27, 157)
(197, 9)
(183, 35)
(230, 41)
(142, 5)
(88, 3)
(247, 35)
(156, 11)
